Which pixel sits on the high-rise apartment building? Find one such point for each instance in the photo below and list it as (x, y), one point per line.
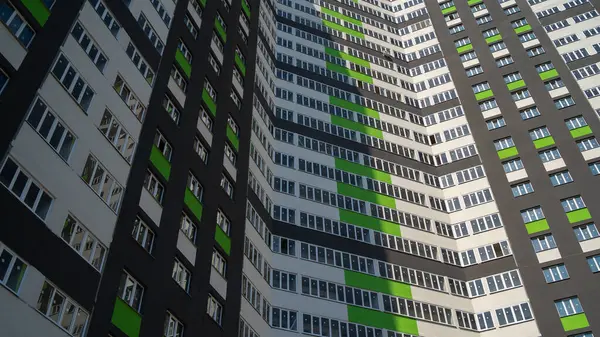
(336, 168)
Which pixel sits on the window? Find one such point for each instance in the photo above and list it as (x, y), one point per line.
(554, 84)
(587, 144)
(494, 251)
(131, 100)
(503, 281)
(188, 227)
(163, 146)
(543, 242)
(205, 118)
(594, 263)
(575, 123)
(474, 71)
(512, 77)
(529, 113)
(179, 79)
(131, 291)
(223, 221)
(143, 234)
(62, 310)
(194, 186)
(521, 94)
(468, 56)
(112, 129)
(106, 16)
(140, 63)
(185, 51)
(467, 320)
(26, 189)
(490, 32)
(52, 129)
(151, 33)
(564, 102)
(514, 314)
(230, 154)
(462, 42)
(480, 87)
(456, 29)
(495, 123)
(219, 263)
(12, 269)
(527, 37)
(539, 133)
(283, 280)
(512, 10)
(214, 309)
(16, 24)
(90, 47)
(595, 168)
(190, 26)
(171, 109)
(211, 91)
(532, 214)
(555, 273)
(586, 232)
(153, 186)
(488, 105)
(504, 143)
(483, 19)
(181, 275)
(561, 178)
(200, 149)
(102, 182)
(72, 81)
(284, 319)
(83, 242)
(512, 165)
(549, 155)
(497, 46)
(504, 61)
(173, 327)
(568, 306)
(227, 186)
(3, 80)
(532, 52)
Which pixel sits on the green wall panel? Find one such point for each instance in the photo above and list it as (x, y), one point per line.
(160, 162)
(183, 63)
(522, 29)
(493, 39)
(579, 215)
(537, 226)
(220, 30)
(382, 320)
(353, 106)
(548, 74)
(341, 16)
(515, 85)
(343, 29)
(246, 9)
(240, 64)
(233, 138)
(349, 72)
(223, 239)
(38, 10)
(356, 126)
(126, 319)
(210, 104)
(369, 222)
(484, 94)
(505, 153)
(203, 2)
(193, 203)
(362, 170)
(347, 57)
(543, 142)
(574, 322)
(582, 131)
(366, 195)
(374, 283)
(464, 48)
(449, 10)
(474, 2)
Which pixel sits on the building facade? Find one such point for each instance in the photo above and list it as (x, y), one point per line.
(340, 168)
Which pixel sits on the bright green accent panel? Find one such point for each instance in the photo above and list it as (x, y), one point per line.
(341, 16)
(38, 10)
(369, 222)
(221, 30)
(473, 2)
(193, 203)
(246, 9)
(233, 138)
(375, 283)
(537, 226)
(347, 57)
(515, 85)
(160, 162)
(223, 239)
(510, 152)
(343, 29)
(543, 142)
(382, 320)
(351, 73)
(464, 48)
(574, 322)
(343, 122)
(484, 94)
(210, 104)
(366, 195)
(548, 74)
(449, 10)
(183, 63)
(362, 170)
(493, 39)
(353, 106)
(582, 131)
(522, 29)
(126, 319)
(579, 215)
(203, 2)
(240, 64)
